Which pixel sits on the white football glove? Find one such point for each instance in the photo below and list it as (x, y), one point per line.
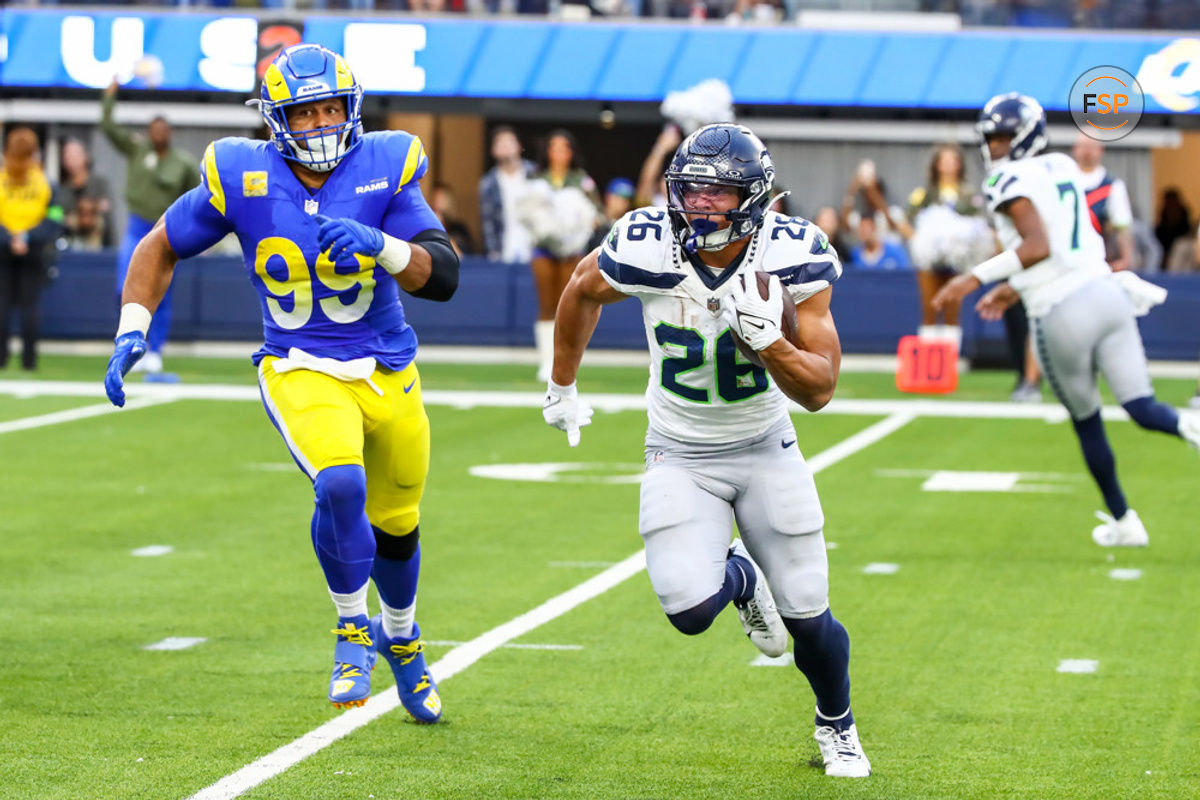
(563, 409)
(754, 320)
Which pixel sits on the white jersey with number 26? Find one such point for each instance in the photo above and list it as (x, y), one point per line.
(1054, 185)
(701, 389)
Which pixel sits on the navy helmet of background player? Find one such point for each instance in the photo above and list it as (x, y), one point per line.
(332, 226)
(1082, 317)
(719, 155)
(1015, 115)
(721, 447)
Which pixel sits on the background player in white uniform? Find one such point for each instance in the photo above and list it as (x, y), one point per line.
(1082, 318)
(720, 445)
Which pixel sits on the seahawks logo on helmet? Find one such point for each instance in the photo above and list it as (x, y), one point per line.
(303, 73)
(720, 155)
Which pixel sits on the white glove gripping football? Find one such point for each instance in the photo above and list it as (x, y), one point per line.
(754, 320)
(563, 409)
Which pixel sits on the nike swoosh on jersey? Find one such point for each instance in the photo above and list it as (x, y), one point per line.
(409, 387)
(786, 445)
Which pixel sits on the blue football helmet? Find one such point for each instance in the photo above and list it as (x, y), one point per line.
(722, 155)
(300, 74)
(1016, 114)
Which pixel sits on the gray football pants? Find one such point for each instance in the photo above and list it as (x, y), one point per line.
(1092, 329)
(691, 496)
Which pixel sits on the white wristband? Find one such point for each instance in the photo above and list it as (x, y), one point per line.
(395, 255)
(998, 267)
(134, 317)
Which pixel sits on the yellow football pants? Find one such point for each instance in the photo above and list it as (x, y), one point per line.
(326, 422)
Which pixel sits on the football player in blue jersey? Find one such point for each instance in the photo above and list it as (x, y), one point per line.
(332, 224)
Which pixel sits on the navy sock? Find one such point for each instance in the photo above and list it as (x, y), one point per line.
(738, 585)
(1101, 462)
(396, 579)
(1153, 415)
(822, 653)
(340, 531)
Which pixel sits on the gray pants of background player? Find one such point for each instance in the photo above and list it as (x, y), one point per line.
(1092, 329)
(691, 496)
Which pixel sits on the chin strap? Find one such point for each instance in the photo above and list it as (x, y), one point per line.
(776, 199)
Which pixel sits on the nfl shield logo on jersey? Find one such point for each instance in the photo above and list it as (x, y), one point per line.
(714, 305)
(310, 207)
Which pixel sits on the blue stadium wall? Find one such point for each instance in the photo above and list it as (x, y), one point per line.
(496, 305)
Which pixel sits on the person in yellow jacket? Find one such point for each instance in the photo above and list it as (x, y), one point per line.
(30, 220)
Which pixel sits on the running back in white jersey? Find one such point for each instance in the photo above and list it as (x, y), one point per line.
(701, 389)
(1054, 185)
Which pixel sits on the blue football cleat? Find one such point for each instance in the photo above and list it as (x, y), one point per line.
(418, 692)
(353, 659)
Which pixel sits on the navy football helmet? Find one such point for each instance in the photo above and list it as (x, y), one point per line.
(720, 155)
(300, 74)
(1016, 114)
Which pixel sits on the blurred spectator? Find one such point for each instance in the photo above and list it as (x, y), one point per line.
(85, 228)
(1108, 202)
(561, 209)
(504, 237)
(828, 221)
(618, 201)
(86, 200)
(946, 235)
(445, 207)
(1147, 250)
(652, 186)
(1174, 223)
(873, 252)
(30, 221)
(156, 174)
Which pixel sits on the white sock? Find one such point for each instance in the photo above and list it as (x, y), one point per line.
(398, 622)
(952, 333)
(352, 604)
(543, 339)
(928, 331)
(832, 719)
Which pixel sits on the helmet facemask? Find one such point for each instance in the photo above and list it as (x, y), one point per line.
(704, 232)
(318, 149)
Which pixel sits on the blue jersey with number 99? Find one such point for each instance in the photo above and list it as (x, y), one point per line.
(345, 309)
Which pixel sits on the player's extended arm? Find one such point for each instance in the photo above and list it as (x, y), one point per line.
(809, 373)
(150, 270)
(578, 313)
(1034, 248)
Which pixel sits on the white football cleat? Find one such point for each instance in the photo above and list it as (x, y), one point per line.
(1195, 401)
(1189, 428)
(842, 752)
(760, 619)
(1128, 531)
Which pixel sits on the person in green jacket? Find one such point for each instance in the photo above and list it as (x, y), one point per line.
(156, 175)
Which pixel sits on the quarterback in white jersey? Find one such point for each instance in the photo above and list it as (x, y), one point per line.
(1082, 317)
(721, 446)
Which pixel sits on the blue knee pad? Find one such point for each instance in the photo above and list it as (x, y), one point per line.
(341, 533)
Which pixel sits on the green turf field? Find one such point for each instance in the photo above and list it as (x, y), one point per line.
(955, 652)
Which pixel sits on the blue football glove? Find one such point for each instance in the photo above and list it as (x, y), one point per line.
(129, 348)
(344, 235)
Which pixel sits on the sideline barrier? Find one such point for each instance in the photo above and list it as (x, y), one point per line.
(496, 304)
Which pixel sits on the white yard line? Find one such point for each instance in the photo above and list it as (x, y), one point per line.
(917, 407)
(464, 655)
(71, 414)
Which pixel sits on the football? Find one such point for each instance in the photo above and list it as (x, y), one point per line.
(787, 323)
